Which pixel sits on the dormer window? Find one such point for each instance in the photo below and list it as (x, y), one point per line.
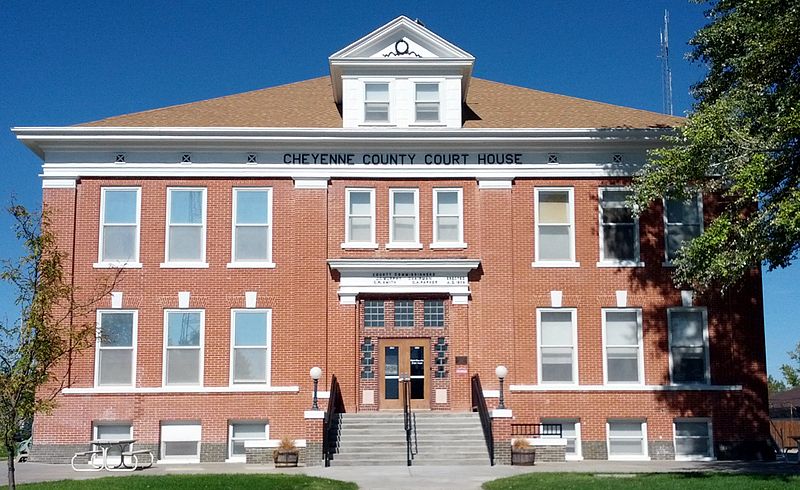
(376, 102)
(426, 102)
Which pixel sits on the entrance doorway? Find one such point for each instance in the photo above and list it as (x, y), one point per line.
(404, 357)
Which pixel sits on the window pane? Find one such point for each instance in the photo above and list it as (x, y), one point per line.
(404, 203)
(373, 313)
(433, 313)
(186, 207)
(448, 229)
(183, 366)
(251, 207)
(116, 329)
(622, 328)
(553, 207)
(120, 206)
(447, 203)
(376, 92)
(115, 367)
(183, 329)
(427, 112)
(688, 365)
(556, 328)
(185, 243)
(617, 215)
(249, 431)
(251, 242)
(427, 92)
(617, 197)
(625, 429)
(376, 112)
(360, 229)
(119, 242)
(555, 243)
(683, 212)
(250, 365)
(403, 313)
(361, 203)
(557, 364)
(623, 364)
(626, 447)
(619, 242)
(677, 235)
(687, 328)
(404, 230)
(113, 431)
(180, 448)
(692, 447)
(691, 429)
(251, 329)
(238, 448)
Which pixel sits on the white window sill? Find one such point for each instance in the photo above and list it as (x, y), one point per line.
(406, 246)
(184, 265)
(129, 390)
(613, 264)
(251, 265)
(448, 245)
(437, 124)
(377, 125)
(117, 265)
(628, 458)
(359, 245)
(555, 264)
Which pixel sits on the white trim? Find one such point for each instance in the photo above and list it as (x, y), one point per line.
(578, 456)
(639, 345)
(267, 347)
(706, 354)
(199, 264)
(572, 261)
(314, 414)
(555, 264)
(498, 413)
(645, 443)
(698, 197)
(392, 242)
(711, 456)
(186, 438)
(440, 101)
(310, 183)
(574, 317)
(137, 224)
(134, 346)
(273, 443)
(267, 260)
(164, 367)
(435, 218)
(117, 265)
(447, 246)
(604, 262)
(348, 242)
(643, 388)
(157, 390)
(231, 423)
(391, 101)
(495, 183)
(50, 183)
(491, 393)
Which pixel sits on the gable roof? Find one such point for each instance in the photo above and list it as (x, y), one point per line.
(310, 104)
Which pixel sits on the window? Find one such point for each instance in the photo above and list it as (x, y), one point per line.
(116, 348)
(557, 357)
(183, 347)
(252, 230)
(426, 102)
(360, 225)
(404, 313)
(404, 218)
(251, 341)
(619, 228)
(693, 439)
(623, 345)
(114, 431)
(627, 439)
(571, 431)
(555, 233)
(373, 313)
(186, 225)
(688, 345)
(448, 221)
(376, 102)
(247, 431)
(434, 313)
(180, 442)
(119, 225)
(683, 221)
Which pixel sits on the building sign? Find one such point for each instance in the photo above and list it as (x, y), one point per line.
(411, 278)
(402, 159)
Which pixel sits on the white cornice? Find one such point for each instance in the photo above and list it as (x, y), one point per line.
(403, 264)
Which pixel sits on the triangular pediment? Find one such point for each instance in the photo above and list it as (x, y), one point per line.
(399, 39)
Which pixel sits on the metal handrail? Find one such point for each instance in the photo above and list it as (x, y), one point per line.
(479, 405)
(409, 420)
(330, 427)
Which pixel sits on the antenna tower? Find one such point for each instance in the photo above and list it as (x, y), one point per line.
(666, 71)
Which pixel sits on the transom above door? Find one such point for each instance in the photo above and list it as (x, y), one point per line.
(404, 358)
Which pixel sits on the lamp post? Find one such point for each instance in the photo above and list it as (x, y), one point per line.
(501, 372)
(315, 373)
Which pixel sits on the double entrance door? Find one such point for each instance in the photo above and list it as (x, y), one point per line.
(404, 358)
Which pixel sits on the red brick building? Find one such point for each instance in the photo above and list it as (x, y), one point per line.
(396, 217)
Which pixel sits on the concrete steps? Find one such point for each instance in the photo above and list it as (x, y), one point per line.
(378, 439)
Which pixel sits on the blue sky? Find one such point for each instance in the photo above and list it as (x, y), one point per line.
(62, 63)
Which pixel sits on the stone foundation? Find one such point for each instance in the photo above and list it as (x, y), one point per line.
(550, 454)
(502, 452)
(594, 449)
(55, 453)
(661, 450)
(312, 454)
(263, 455)
(213, 452)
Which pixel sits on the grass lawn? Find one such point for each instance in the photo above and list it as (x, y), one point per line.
(197, 482)
(645, 481)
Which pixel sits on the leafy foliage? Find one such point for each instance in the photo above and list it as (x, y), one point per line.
(51, 326)
(791, 374)
(741, 142)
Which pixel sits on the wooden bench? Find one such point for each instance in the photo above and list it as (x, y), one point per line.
(90, 461)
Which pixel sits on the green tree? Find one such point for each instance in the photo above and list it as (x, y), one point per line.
(50, 327)
(775, 385)
(740, 142)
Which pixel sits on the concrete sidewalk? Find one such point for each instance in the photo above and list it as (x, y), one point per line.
(417, 477)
